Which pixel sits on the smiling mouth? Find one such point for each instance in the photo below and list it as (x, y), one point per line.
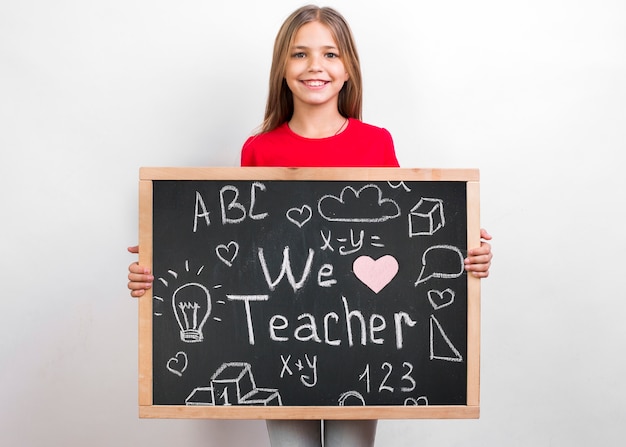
(315, 83)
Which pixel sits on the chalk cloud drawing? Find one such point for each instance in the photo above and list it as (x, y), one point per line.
(227, 252)
(178, 364)
(365, 205)
(192, 306)
(299, 216)
(426, 217)
(233, 384)
(441, 298)
(448, 255)
(352, 399)
(440, 342)
(375, 274)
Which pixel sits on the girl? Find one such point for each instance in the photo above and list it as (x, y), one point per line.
(313, 119)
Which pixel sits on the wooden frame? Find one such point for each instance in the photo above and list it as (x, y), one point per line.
(468, 411)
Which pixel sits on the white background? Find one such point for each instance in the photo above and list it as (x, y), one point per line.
(532, 93)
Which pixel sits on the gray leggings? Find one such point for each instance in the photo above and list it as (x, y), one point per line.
(297, 433)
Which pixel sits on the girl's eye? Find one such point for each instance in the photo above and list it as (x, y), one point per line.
(299, 55)
(332, 55)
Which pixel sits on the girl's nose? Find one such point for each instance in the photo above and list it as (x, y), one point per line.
(315, 64)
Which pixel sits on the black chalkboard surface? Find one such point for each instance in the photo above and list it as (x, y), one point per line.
(308, 293)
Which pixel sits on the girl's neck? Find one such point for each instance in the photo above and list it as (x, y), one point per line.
(317, 124)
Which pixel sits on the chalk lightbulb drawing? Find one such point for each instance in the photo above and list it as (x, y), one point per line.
(192, 307)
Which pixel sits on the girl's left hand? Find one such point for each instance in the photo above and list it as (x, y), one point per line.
(478, 260)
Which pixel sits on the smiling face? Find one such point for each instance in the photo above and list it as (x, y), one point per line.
(315, 72)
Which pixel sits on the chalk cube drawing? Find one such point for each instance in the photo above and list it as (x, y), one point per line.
(233, 384)
(426, 217)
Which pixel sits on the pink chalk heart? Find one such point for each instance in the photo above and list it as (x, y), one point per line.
(375, 274)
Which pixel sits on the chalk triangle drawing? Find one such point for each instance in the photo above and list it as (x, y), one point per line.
(436, 331)
(375, 274)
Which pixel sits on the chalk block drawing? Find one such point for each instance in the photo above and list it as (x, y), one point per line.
(441, 298)
(233, 384)
(426, 217)
(299, 216)
(368, 200)
(375, 274)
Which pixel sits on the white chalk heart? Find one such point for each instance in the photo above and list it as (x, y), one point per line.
(375, 274)
(440, 298)
(178, 364)
(227, 253)
(299, 216)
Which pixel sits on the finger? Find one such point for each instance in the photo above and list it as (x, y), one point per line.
(140, 277)
(144, 280)
(484, 249)
(137, 293)
(478, 266)
(134, 249)
(484, 234)
(478, 259)
(137, 284)
(138, 269)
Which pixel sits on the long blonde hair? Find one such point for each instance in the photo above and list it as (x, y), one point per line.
(279, 107)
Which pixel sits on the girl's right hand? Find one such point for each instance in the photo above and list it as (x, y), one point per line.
(139, 278)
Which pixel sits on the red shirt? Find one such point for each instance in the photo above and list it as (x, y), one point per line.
(359, 145)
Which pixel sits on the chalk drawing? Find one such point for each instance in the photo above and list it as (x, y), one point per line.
(412, 401)
(192, 306)
(368, 200)
(441, 298)
(396, 185)
(233, 384)
(351, 398)
(299, 216)
(227, 253)
(452, 259)
(426, 218)
(178, 364)
(436, 331)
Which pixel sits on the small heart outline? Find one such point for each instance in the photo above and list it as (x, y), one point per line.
(300, 213)
(175, 361)
(437, 299)
(227, 248)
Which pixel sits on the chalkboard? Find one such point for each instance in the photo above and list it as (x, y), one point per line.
(308, 293)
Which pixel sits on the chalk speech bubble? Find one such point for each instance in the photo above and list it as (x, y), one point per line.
(449, 258)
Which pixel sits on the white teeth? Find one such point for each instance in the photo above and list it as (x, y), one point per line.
(315, 83)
